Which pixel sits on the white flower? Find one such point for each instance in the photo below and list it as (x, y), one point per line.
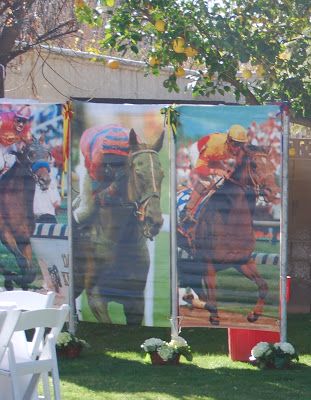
(166, 352)
(151, 344)
(285, 347)
(261, 348)
(64, 338)
(178, 341)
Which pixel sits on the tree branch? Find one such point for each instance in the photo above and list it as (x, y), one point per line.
(10, 33)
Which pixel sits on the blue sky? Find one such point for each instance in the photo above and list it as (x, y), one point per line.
(200, 120)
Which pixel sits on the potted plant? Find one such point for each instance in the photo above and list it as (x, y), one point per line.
(69, 345)
(269, 355)
(166, 353)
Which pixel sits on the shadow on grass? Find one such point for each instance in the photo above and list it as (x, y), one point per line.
(104, 373)
(129, 338)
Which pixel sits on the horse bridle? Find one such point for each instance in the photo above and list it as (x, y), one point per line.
(32, 167)
(256, 186)
(259, 190)
(140, 205)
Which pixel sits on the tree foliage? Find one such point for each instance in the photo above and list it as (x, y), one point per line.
(257, 49)
(25, 24)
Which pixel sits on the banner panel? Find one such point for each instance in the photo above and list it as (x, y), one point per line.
(31, 184)
(228, 164)
(120, 214)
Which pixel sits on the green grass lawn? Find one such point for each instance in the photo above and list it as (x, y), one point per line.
(113, 369)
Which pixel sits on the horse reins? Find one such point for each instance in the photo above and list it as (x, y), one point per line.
(34, 167)
(256, 185)
(245, 186)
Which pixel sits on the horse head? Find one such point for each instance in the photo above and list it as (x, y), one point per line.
(262, 173)
(34, 158)
(144, 184)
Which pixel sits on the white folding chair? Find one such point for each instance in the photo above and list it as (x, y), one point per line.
(24, 372)
(8, 322)
(29, 301)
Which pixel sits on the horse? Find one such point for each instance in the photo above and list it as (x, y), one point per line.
(223, 234)
(17, 220)
(110, 252)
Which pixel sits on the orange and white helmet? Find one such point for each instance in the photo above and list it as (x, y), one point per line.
(238, 133)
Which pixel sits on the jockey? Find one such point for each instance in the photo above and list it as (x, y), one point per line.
(104, 152)
(15, 132)
(219, 154)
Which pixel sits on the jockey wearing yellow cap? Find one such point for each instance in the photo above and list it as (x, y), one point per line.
(219, 154)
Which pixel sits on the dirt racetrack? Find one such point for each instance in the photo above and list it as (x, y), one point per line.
(200, 318)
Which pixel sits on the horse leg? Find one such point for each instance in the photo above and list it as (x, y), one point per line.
(97, 304)
(28, 271)
(210, 280)
(209, 305)
(8, 277)
(251, 272)
(23, 255)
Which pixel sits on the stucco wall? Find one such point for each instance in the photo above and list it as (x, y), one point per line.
(54, 77)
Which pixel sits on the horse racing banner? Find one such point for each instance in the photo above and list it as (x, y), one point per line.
(31, 184)
(228, 162)
(120, 214)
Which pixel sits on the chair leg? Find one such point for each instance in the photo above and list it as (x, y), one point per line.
(56, 383)
(31, 391)
(15, 385)
(46, 387)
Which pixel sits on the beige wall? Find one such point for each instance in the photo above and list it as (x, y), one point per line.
(54, 77)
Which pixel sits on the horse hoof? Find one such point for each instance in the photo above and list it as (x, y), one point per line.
(214, 320)
(8, 284)
(188, 298)
(252, 317)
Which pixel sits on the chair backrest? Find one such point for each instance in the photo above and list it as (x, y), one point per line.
(24, 371)
(30, 301)
(8, 321)
(53, 318)
(26, 300)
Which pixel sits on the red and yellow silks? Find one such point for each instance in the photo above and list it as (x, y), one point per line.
(67, 114)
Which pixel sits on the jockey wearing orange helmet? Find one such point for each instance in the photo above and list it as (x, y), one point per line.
(14, 133)
(104, 151)
(219, 154)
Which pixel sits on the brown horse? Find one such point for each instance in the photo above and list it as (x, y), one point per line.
(110, 254)
(224, 234)
(17, 220)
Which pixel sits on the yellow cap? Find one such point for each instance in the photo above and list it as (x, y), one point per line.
(238, 133)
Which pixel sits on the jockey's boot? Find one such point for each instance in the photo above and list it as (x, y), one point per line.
(188, 214)
(85, 202)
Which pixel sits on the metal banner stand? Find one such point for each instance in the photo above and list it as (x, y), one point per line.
(72, 313)
(284, 224)
(173, 241)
